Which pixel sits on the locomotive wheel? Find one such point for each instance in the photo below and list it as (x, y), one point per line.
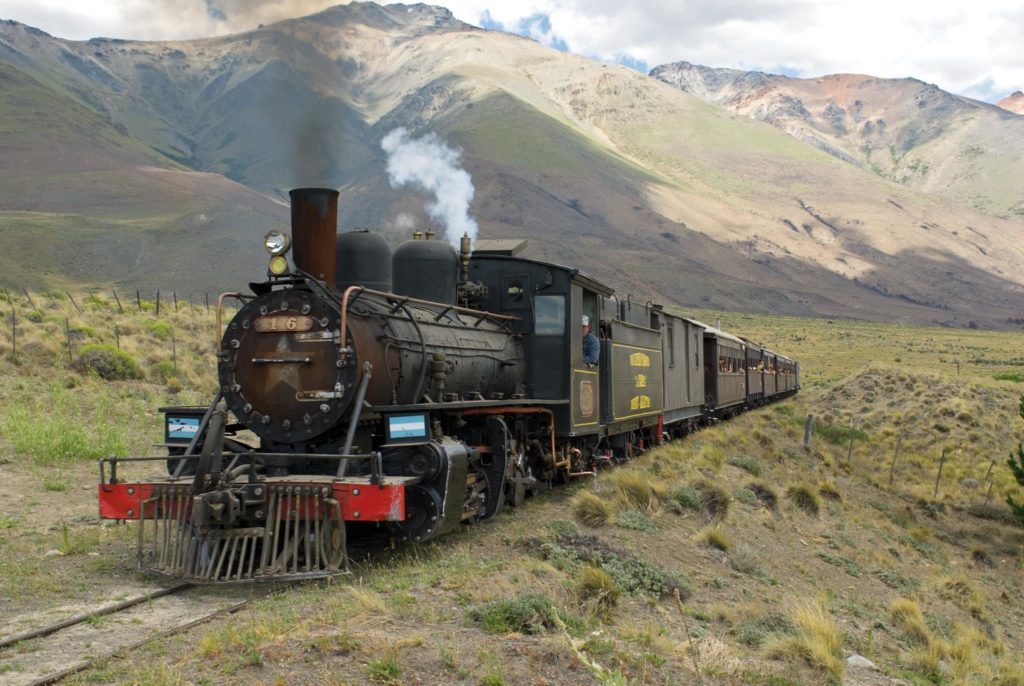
(332, 544)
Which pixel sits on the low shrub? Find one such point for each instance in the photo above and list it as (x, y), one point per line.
(687, 497)
(637, 521)
(108, 363)
(530, 613)
(714, 499)
(746, 462)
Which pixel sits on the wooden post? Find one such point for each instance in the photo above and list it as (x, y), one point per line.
(67, 335)
(895, 455)
(174, 294)
(849, 452)
(30, 301)
(190, 308)
(938, 477)
(118, 300)
(988, 477)
(808, 430)
(138, 300)
(158, 302)
(117, 337)
(73, 302)
(206, 297)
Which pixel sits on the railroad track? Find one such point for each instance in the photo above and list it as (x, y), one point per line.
(47, 654)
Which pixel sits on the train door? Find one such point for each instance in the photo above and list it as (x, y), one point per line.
(585, 305)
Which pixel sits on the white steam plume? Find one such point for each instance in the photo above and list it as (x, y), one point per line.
(427, 163)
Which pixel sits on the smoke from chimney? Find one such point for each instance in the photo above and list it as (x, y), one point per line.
(430, 165)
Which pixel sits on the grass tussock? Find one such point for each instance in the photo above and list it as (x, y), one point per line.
(714, 538)
(766, 495)
(907, 615)
(592, 509)
(829, 490)
(965, 594)
(637, 488)
(816, 641)
(597, 586)
(805, 497)
(747, 463)
(714, 500)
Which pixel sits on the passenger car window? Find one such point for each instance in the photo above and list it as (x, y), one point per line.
(549, 315)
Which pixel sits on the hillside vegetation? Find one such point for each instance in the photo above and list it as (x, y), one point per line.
(786, 560)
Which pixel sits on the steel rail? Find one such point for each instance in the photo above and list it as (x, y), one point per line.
(85, 617)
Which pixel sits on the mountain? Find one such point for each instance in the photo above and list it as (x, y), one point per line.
(905, 130)
(1013, 103)
(650, 188)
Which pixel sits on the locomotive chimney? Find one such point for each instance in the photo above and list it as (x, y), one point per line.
(314, 231)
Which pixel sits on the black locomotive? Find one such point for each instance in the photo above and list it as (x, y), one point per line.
(411, 392)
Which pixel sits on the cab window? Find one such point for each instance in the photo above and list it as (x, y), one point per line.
(549, 315)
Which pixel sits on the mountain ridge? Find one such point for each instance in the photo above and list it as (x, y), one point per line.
(652, 189)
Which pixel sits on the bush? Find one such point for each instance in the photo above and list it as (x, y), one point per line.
(687, 497)
(806, 498)
(108, 363)
(637, 521)
(161, 330)
(162, 372)
(751, 464)
(530, 613)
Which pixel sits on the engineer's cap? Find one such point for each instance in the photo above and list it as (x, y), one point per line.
(586, 320)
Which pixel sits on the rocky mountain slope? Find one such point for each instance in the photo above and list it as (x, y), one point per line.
(648, 187)
(1013, 102)
(905, 130)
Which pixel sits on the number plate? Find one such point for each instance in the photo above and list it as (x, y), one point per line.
(278, 323)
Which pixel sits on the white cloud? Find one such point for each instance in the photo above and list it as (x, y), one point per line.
(965, 47)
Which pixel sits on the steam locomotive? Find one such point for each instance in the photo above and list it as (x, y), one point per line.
(407, 393)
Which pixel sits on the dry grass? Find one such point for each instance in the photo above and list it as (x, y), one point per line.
(965, 594)
(714, 538)
(907, 615)
(592, 509)
(637, 488)
(817, 641)
(805, 497)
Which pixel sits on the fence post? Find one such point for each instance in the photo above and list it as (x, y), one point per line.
(849, 452)
(67, 334)
(988, 477)
(31, 301)
(138, 300)
(158, 302)
(174, 294)
(206, 297)
(73, 302)
(938, 477)
(808, 430)
(895, 455)
(190, 308)
(117, 337)
(119, 308)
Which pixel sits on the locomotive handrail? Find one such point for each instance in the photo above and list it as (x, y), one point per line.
(220, 306)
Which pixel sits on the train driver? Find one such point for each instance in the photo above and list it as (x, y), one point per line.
(591, 346)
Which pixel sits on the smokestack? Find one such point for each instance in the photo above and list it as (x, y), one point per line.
(314, 231)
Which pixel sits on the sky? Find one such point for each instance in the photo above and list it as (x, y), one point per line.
(970, 48)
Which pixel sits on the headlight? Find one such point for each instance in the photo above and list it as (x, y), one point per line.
(278, 265)
(276, 242)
